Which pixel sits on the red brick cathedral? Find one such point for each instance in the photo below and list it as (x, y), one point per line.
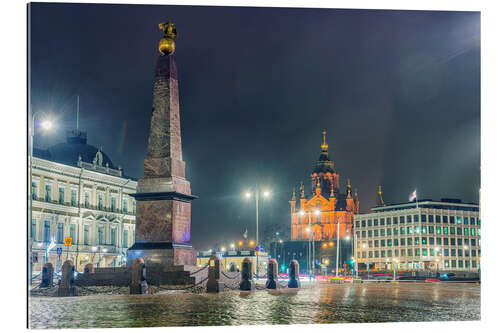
(325, 206)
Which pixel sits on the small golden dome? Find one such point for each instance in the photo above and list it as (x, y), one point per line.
(166, 46)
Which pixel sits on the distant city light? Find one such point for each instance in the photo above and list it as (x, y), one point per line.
(223, 249)
(240, 243)
(302, 213)
(267, 194)
(317, 212)
(248, 195)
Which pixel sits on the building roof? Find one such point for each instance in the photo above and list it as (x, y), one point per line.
(444, 203)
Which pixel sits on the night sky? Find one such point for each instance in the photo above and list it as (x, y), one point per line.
(397, 91)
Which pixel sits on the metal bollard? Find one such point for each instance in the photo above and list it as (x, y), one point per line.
(233, 267)
(138, 284)
(272, 274)
(293, 274)
(214, 267)
(246, 275)
(47, 276)
(67, 284)
(89, 269)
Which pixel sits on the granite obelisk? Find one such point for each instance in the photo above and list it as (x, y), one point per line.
(163, 210)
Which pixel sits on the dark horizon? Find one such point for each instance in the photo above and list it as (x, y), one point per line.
(397, 91)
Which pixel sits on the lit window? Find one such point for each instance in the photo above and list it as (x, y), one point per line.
(48, 193)
(73, 197)
(61, 195)
(60, 233)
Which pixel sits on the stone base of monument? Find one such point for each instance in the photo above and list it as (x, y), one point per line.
(247, 285)
(214, 286)
(166, 263)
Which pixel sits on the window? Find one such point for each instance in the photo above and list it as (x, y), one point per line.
(99, 201)
(61, 195)
(431, 218)
(388, 232)
(382, 254)
(438, 241)
(446, 252)
(431, 240)
(460, 264)
(431, 230)
(86, 202)
(445, 241)
(432, 252)
(438, 218)
(375, 222)
(370, 233)
(416, 230)
(452, 230)
(452, 219)
(459, 231)
(363, 234)
(410, 253)
(33, 228)
(34, 190)
(357, 234)
(445, 230)
(369, 223)
(402, 231)
(424, 240)
(100, 236)
(460, 253)
(472, 232)
(403, 252)
(395, 231)
(459, 220)
(474, 264)
(389, 253)
(438, 230)
(382, 243)
(124, 206)
(125, 238)
(382, 232)
(376, 232)
(473, 253)
(402, 240)
(424, 230)
(389, 242)
(453, 263)
(423, 218)
(415, 218)
(48, 193)
(73, 197)
(453, 252)
(466, 220)
(409, 241)
(46, 232)
(473, 242)
(370, 254)
(86, 235)
(417, 241)
(382, 221)
(459, 240)
(72, 233)
(113, 204)
(478, 221)
(408, 219)
(388, 221)
(472, 221)
(417, 252)
(60, 233)
(424, 252)
(401, 219)
(363, 223)
(447, 263)
(113, 236)
(445, 219)
(396, 252)
(396, 242)
(409, 230)
(466, 231)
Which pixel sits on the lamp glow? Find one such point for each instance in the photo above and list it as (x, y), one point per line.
(266, 194)
(46, 124)
(248, 195)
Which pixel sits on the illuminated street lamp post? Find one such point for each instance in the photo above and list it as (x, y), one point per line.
(394, 262)
(248, 195)
(46, 125)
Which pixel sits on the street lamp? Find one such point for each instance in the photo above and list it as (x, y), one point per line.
(46, 125)
(266, 193)
(394, 262)
(232, 246)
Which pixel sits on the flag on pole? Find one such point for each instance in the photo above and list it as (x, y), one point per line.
(245, 234)
(413, 196)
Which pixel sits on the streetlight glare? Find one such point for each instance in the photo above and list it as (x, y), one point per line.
(46, 124)
(248, 195)
(302, 213)
(223, 249)
(317, 212)
(308, 229)
(266, 193)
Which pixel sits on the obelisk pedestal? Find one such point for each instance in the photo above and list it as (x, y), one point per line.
(163, 198)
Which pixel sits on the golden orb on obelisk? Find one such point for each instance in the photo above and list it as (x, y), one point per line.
(166, 45)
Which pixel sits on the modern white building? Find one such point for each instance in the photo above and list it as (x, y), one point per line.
(435, 235)
(79, 193)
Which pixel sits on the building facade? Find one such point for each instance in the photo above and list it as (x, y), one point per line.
(319, 216)
(435, 236)
(77, 192)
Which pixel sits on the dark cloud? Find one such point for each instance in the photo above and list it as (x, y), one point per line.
(397, 91)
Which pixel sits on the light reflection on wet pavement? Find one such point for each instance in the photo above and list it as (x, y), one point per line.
(325, 303)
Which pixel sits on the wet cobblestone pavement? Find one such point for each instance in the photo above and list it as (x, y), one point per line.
(322, 303)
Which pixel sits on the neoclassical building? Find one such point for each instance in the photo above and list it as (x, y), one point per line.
(79, 193)
(325, 206)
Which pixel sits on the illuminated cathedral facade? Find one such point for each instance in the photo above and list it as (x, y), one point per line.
(326, 208)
